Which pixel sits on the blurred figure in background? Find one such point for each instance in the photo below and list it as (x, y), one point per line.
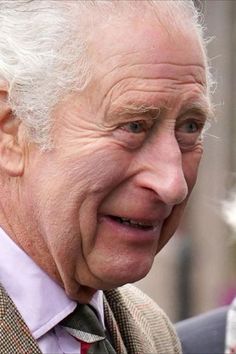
(213, 332)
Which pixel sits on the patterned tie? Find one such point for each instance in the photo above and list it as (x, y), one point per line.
(84, 325)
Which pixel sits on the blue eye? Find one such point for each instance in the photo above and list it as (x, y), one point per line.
(191, 127)
(135, 127)
(134, 132)
(188, 133)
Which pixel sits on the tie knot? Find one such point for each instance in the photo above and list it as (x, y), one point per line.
(84, 324)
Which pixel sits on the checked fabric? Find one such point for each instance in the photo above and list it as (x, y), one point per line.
(84, 325)
(136, 323)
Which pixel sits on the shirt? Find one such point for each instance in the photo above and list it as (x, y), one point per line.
(40, 300)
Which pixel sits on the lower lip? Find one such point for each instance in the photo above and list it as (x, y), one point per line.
(131, 233)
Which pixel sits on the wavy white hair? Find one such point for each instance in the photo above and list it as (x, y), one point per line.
(43, 49)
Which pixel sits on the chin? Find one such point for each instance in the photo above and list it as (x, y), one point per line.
(114, 277)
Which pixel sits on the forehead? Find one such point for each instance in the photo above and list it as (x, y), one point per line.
(137, 59)
(146, 39)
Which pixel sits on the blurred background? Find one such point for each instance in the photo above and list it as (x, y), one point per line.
(196, 271)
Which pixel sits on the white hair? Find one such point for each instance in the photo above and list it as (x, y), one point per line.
(43, 49)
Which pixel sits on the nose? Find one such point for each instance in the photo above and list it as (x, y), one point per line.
(160, 169)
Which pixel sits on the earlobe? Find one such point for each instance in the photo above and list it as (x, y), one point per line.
(11, 153)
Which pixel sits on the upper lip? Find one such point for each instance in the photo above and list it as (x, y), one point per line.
(151, 219)
(150, 216)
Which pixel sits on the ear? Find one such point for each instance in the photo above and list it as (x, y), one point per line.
(11, 153)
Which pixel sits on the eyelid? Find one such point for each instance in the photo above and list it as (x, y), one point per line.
(186, 118)
(131, 139)
(188, 139)
(148, 122)
(199, 125)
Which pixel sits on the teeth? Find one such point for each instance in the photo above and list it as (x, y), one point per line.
(134, 223)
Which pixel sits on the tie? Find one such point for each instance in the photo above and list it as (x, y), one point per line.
(84, 325)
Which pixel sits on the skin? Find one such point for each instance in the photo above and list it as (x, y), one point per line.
(129, 146)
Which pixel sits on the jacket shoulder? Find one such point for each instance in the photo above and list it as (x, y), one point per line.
(142, 320)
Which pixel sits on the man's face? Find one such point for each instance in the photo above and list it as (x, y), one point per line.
(125, 159)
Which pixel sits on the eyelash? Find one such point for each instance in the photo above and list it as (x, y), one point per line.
(127, 126)
(188, 139)
(136, 132)
(199, 125)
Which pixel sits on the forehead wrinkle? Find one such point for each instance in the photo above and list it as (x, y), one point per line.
(156, 90)
(109, 95)
(153, 63)
(120, 55)
(159, 77)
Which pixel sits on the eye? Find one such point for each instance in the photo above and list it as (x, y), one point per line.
(189, 127)
(133, 133)
(188, 133)
(135, 127)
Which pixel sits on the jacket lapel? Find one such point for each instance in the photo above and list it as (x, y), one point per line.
(113, 326)
(119, 319)
(136, 324)
(15, 336)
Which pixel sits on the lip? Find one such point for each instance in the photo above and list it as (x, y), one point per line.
(145, 223)
(132, 234)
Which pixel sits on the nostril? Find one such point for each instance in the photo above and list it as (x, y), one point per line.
(170, 187)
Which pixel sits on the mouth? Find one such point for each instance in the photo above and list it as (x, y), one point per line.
(132, 229)
(136, 224)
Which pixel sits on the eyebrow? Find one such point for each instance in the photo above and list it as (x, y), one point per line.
(137, 109)
(201, 107)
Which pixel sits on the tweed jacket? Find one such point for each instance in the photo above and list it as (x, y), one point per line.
(137, 324)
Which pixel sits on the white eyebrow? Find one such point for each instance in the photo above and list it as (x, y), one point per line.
(132, 109)
(200, 106)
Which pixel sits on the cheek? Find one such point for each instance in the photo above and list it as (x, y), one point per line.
(191, 161)
(101, 169)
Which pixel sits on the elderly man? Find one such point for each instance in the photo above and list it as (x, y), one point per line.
(102, 108)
